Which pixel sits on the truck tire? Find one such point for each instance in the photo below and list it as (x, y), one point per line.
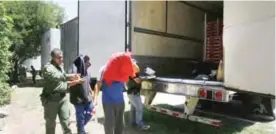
(259, 108)
(273, 106)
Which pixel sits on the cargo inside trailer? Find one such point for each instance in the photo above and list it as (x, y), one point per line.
(176, 37)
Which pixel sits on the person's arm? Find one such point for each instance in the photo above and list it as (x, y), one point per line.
(50, 74)
(98, 85)
(137, 78)
(75, 82)
(72, 75)
(97, 88)
(90, 86)
(126, 86)
(59, 81)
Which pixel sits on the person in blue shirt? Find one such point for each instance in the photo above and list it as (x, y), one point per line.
(113, 104)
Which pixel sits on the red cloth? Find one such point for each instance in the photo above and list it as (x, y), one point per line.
(119, 68)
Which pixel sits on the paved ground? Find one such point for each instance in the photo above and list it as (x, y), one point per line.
(26, 117)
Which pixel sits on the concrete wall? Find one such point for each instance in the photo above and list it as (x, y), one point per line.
(51, 40)
(36, 62)
(69, 42)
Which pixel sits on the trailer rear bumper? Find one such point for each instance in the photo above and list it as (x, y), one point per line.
(204, 120)
(207, 90)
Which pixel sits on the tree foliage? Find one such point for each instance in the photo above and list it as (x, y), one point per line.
(22, 25)
(6, 25)
(31, 20)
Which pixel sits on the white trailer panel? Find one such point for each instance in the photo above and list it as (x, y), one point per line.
(101, 31)
(249, 46)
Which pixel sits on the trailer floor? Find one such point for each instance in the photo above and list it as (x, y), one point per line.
(26, 117)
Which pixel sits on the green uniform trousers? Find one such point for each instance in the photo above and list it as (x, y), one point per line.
(60, 107)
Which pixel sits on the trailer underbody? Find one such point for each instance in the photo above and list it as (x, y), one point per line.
(193, 90)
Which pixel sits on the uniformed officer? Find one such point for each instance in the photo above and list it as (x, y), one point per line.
(54, 95)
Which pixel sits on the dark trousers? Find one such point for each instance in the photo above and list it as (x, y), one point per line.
(114, 118)
(33, 77)
(83, 115)
(52, 109)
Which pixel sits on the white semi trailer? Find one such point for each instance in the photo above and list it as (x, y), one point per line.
(172, 38)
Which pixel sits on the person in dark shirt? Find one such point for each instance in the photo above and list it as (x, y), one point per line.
(133, 91)
(33, 71)
(81, 94)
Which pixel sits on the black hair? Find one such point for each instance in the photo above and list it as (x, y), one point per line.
(86, 58)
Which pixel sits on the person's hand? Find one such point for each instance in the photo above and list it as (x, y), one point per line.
(136, 68)
(95, 102)
(80, 81)
(76, 77)
(73, 77)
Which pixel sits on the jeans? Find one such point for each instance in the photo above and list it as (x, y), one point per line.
(83, 115)
(136, 109)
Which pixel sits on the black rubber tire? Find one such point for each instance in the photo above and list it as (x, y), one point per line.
(251, 114)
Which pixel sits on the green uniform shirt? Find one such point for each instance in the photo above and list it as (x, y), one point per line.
(55, 81)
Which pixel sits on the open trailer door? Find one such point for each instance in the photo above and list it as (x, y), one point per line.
(249, 55)
(102, 30)
(249, 46)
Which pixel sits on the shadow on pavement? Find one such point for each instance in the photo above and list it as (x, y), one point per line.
(128, 128)
(29, 83)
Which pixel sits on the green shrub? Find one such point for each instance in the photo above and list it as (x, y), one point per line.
(6, 25)
(5, 93)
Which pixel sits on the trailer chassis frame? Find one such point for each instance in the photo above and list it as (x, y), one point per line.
(150, 87)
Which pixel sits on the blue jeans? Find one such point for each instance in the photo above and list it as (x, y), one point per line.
(136, 109)
(83, 115)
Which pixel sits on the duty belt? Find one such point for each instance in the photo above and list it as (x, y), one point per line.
(134, 93)
(61, 95)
